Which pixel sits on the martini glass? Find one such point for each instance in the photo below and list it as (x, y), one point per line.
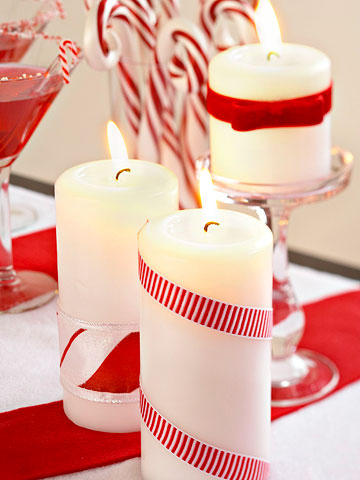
(23, 16)
(27, 90)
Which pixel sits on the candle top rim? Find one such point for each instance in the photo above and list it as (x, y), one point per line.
(99, 175)
(292, 55)
(245, 72)
(236, 229)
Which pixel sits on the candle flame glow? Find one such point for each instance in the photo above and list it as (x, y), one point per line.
(207, 193)
(267, 27)
(117, 147)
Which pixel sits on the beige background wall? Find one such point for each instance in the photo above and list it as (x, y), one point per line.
(74, 129)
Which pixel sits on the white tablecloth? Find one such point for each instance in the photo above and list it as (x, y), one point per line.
(318, 442)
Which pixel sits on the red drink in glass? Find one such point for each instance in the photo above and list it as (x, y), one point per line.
(23, 103)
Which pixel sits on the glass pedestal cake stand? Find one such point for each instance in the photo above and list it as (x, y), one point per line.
(298, 375)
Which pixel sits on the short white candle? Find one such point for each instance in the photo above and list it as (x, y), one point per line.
(270, 155)
(98, 219)
(212, 385)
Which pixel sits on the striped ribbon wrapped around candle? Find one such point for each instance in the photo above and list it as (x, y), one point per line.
(239, 320)
(207, 458)
(230, 319)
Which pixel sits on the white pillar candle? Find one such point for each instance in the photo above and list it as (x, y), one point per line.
(212, 385)
(98, 219)
(270, 155)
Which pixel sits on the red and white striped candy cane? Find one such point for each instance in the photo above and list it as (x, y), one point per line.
(87, 4)
(155, 99)
(167, 9)
(170, 8)
(215, 16)
(116, 29)
(67, 46)
(185, 57)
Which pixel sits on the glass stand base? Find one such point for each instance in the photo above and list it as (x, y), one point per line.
(21, 216)
(301, 378)
(30, 290)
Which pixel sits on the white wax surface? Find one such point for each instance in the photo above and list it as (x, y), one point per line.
(270, 155)
(212, 385)
(98, 219)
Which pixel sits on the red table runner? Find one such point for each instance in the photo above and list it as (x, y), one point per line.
(38, 442)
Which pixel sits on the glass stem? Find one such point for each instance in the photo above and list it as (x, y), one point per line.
(278, 221)
(289, 320)
(7, 273)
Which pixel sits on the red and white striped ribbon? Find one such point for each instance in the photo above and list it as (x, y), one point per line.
(250, 322)
(214, 461)
(66, 46)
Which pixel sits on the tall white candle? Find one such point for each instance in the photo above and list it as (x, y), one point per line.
(212, 385)
(98, 218)
(270, 155)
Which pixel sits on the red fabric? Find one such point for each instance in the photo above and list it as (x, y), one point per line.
(38, 442)
(246, 115)
(333, 329)
(36, 251)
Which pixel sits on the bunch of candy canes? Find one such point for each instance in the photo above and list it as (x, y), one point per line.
(161, 63)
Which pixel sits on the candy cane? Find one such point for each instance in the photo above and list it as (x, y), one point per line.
(65, 47)
(151, 126)
(87, 4)
(104, 30)
(167, 9)
(215, 16)
(184, 52)
(109, 36)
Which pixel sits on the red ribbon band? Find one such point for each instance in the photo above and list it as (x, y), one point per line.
(247, 115)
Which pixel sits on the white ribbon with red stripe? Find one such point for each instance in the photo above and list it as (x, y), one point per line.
(250, 322)
(214, 461)
(92, 356)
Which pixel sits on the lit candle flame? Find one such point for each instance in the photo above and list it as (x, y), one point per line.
(117, 147)
(207, 193)
(267, 27)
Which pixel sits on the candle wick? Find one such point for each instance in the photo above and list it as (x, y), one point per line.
(272, 53)
(121, 171)
(207, 225)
